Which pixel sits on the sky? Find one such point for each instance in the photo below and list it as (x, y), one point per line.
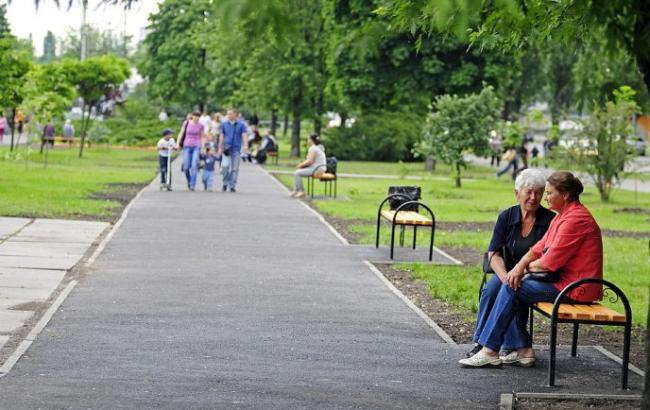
(25, 20)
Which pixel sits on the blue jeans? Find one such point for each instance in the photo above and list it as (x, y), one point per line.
(208, 177)
(507, 305)
(191, 164)
(164, 170)
(230, 169)
(512, 164)
(514, 337)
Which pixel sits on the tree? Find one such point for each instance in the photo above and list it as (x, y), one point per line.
(177, 64)
(513, 25)
(98, 42)
(47, 91)
(16, 63)
(4, 23)
(94, 78)
(49, 48)
(460, 124)
(601, 149)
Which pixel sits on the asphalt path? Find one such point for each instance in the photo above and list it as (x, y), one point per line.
(206, 300)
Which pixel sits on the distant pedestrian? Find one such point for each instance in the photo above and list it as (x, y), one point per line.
(48, 135)
(163, 116)
(68, 132)
(166, 146)
(495, 149)
(209, 162)
(20, 121)
(3, 126)
(191, 143)
(232, 141)
(510, 158)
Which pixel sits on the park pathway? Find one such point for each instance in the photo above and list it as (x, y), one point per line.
(219, 300)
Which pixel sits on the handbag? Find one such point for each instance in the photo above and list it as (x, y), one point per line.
(406, 194)
(181, 139)
(544, 276)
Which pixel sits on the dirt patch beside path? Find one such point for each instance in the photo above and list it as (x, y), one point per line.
(118, 192)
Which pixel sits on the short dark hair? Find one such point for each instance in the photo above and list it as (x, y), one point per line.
(566, 183)
(196, 114)
(315, 139)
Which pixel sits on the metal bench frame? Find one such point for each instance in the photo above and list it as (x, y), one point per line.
(415, 227)
(275, 154)
(329, 183)
(562, 296)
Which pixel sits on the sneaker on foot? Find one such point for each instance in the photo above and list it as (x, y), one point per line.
(300, 194)
(515, 359)
(232, 189)
(481, 359)
(224, 188)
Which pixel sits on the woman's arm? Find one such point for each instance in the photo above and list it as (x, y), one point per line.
(311, 158)
(514, 277)
(498, 265)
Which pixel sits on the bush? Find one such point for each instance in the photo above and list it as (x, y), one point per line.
(375, 136)
(140, 133)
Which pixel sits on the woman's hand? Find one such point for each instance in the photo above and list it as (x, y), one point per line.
(514, 278)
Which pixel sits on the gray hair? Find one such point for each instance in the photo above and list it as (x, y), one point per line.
(530, 178)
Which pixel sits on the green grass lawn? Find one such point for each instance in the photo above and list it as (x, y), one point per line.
(481, 198)
(63, 189)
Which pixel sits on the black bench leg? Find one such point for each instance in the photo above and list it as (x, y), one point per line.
(377, 237)
(392, 241)
(552, 353)
(626, 351)
(574, 342)
(402, 229)
(415, 234)
(336, 179)
(433, 230)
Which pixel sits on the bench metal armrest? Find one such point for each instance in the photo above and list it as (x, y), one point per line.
(607, 285)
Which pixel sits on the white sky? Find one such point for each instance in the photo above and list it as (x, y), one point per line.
(25, 20)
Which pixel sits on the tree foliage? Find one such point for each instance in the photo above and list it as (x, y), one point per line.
(49, 48)
(93, 78)
(458, 125)
(601, 149)
(47, 91)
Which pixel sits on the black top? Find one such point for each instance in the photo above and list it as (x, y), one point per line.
(508, 227)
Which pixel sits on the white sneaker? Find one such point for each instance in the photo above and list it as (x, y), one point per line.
(481, 359)
(514, 359)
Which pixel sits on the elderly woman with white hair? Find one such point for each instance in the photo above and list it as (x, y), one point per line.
(517, 229)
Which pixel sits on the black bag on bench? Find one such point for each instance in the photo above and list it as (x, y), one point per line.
(406, 194)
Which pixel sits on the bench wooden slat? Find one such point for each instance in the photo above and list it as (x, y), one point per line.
(407, 218)
(594, 311)
(325, 177)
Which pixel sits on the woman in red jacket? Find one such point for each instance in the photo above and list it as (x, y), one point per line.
(572, 245)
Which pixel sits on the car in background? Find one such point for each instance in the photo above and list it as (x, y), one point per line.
(636, 145)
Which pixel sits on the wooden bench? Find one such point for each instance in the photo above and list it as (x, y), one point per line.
(328, 178)
(563, 310)
(402, 217)
(585, 313)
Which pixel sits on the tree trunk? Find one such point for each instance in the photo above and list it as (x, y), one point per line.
(202, 103)
(13, 127)
(83, 39)
(457, 176)
(318, 115)
(85, 119)
(274, 120)
(646, 388)
(295, 132)
(430, 164)
(344, 118)
(286, 124)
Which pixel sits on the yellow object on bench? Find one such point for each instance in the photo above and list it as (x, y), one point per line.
(407, 218)
(326, 176)
(594, 311)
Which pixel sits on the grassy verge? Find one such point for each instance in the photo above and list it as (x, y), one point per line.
(64, 188)
(466, 212)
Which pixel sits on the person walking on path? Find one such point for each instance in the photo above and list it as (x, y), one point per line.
(165, 147)
(231, 141)
(315, 162)
(3, 126)
(48, 135)
(191, 144)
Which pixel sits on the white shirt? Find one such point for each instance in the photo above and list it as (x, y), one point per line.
(320, 156)
(166, 145)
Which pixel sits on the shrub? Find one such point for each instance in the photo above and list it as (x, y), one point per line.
(375, 136)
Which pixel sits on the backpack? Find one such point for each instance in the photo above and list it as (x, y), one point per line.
(330, 164)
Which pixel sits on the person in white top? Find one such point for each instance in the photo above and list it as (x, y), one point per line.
(314, 164)
(206, 121)
(165, 147)
(163, 116)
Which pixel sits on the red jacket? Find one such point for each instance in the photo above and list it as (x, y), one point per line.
(574, 244)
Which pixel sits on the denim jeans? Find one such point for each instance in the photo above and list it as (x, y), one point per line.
(514, 337)
(512, 164)
(191, 164)
(230, 169)
(299, 174)
(208, 178)
(163, 171)
(507, 305)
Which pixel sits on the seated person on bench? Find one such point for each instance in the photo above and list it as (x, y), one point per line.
(267, 145)
(572, 245)
(315, 161)
(517, 229)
